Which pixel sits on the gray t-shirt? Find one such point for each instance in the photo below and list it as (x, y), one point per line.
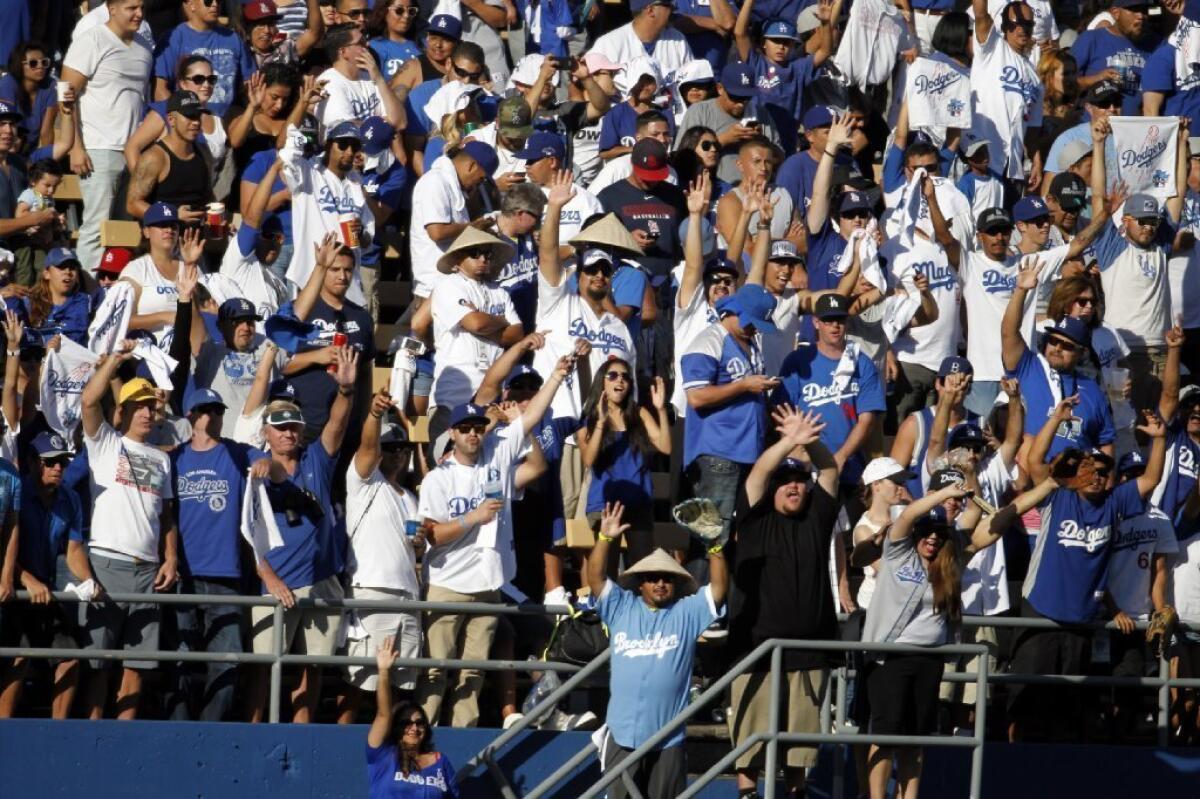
(230, 374)
(708, 114)
(927, 627)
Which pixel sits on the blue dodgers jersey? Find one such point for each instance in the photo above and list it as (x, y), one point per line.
(230, 57)
(386, 780)
(1180, 471)
(10, 490)
(1180, 90)
(45, 531)
(807, 383)
(735, 429)
(651, 667)
(307, 555)
(1093, 426)
(209, 487)
(1068, 570)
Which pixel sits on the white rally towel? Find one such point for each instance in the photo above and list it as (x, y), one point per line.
(111, 322)
(909, 207)
(160, 364)
(844, 371)
(1146, 150)
(871, 43)
(258, 520)
(868, 256)
(404, 369)
(900, 308)
(1186, 41)
(938, 94)
(66, 372)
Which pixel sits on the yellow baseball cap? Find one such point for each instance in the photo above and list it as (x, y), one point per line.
(138, 389)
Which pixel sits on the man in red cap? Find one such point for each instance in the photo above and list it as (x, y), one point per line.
(109, 269)
(650, 207)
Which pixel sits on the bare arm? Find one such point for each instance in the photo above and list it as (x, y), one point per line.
(1012, 343)
(693, 255)
(819, 208)
(1156, 430)
(369, 452)
(313, 31)
(991, 529)
(1168, 402)
(741, 32)
(561, 192)
(493, 379)
(953, 388)
(146, 134)
(1182, 157)
(983, 21)
(381, 724)
(143, 181)
(597, 562)
(96, 388)
(339, 412)
(1036, 466)
(262, 381)
(326, 254)
(1014, 428)
(918, 508)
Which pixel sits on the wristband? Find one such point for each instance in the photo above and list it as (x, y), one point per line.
(13, 353)
(831, 154)
(345, 391)
(716, 549)
(604, 538)
(1005, 517)
(764, 225)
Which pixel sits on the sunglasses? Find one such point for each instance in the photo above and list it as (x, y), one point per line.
(708, 145)
(1085, 301)
(1063, 344)
(999, 231)
(200, 80)
(59, 460)
(348, 144)
(478, 252)
(721, 280)
(356, 13)
(416, 723)
(1041, 221)
(405, 11)
(37, 62)
(1022, 23)
(210, 410)
(1151, 222)
(1112, 105)
(860, 213)
(613, 376)
(467, 74)
(1102, 471)
(658, 577)
(478, 428)
(602, 267)
(208, 3)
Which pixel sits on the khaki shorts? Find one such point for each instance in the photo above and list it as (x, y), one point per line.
(306, 631)
(801, 692)
(970, 635)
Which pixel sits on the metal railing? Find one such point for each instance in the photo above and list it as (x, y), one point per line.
(833, 726)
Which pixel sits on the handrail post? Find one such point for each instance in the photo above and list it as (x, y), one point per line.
(1164, 700)
(772, 770)
(839, 761)
(981, 700)
(276, 664)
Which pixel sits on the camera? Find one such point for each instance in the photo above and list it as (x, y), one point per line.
(294, 503)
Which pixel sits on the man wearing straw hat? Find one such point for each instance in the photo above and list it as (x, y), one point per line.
(474, 319)
(654, 616)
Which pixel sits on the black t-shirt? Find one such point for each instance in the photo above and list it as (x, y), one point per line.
(315, 387)
(781, 575)
(659, 210)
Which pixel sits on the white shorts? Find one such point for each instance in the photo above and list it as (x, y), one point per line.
(378, 625)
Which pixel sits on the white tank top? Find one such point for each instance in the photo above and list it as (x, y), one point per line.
(158, 294)
(866, 589)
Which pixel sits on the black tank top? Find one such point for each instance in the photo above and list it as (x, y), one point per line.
(428, 70)
(187, 183)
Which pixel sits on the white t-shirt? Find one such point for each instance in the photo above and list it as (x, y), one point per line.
(689, 322)
(439, 200)
(1007, 94)
(483, 559)
(1131, 564)
(254, 281)
(568, 317)
(582, 206)
(462, 357)
(987, 287)
(100, 16)
(118, 76)
(1137, 294)
(381, 554)
(985, 578)
(346, 99)
(671, 50)
(585, 153)
(506, 159)
(619, 168)
(1185, 579)
(927, 345)
(158, 294)
(129, 482)
(954, 205)
(776, 346)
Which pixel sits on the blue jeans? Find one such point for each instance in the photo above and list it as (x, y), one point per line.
(720, 480)
(205, 628)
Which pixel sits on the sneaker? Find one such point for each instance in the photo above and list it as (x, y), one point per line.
(511, 719)
(716, 631)
(570, 721)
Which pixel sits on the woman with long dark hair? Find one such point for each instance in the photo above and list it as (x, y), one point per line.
(616, 444)
(698, 150)
(57, 299)
(1079, 297)
(401, 760)
(194, 74)
(918, 601)
(29, 85)
(390, 27)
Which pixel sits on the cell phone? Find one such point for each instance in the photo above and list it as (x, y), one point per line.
(409, 344)
(750, 122)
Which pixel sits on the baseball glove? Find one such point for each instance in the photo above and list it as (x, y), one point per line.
(702, 517)
(1162, 625)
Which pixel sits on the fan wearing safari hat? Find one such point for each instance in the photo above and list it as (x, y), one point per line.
(585, 313)
(654, 616)
(474, 319)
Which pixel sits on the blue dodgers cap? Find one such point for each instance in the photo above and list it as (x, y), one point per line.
(639, 5)
(543, 144)
(793, 468)
(819, 116)
(445, 25)
(853, 200)
(1131, 461)
(343, 130)
(60, 256)
(753, 305)
(522, 371)
(49, 445)
(1142, 206)
(1029, 208)
(201, 397)
(280, 388)
(9, 110)
(1071, 328)
(287, 332)
(237, 308)
(738, 80)
(965, 435)
(467, 412)
(722, 265)
(781, 29)
(784, 250)
(160, 214)
(376, 134)
(483, 154)
(955, 364)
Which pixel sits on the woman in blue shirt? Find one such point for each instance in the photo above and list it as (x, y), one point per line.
(28, 84)
(616, 444)
(390, 26)
(57, 305)
(401, 761)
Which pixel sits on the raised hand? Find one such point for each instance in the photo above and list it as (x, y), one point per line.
(1028, 271)
(610, 520)
(186, 280)
(840, 132)
(256, 91)
(14, 328)
(346, 359)
(509, 411)
(1152, 425)
(802, 429)
(954, 387)
(381, 403)
(386, 656)
(562, 188)
(658, 394)
(1011, 387)
(326, 251)
(699, 194)
(1174, 336)
(191, 246)
(1064, 411)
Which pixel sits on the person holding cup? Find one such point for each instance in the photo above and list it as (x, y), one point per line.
(29, 86)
